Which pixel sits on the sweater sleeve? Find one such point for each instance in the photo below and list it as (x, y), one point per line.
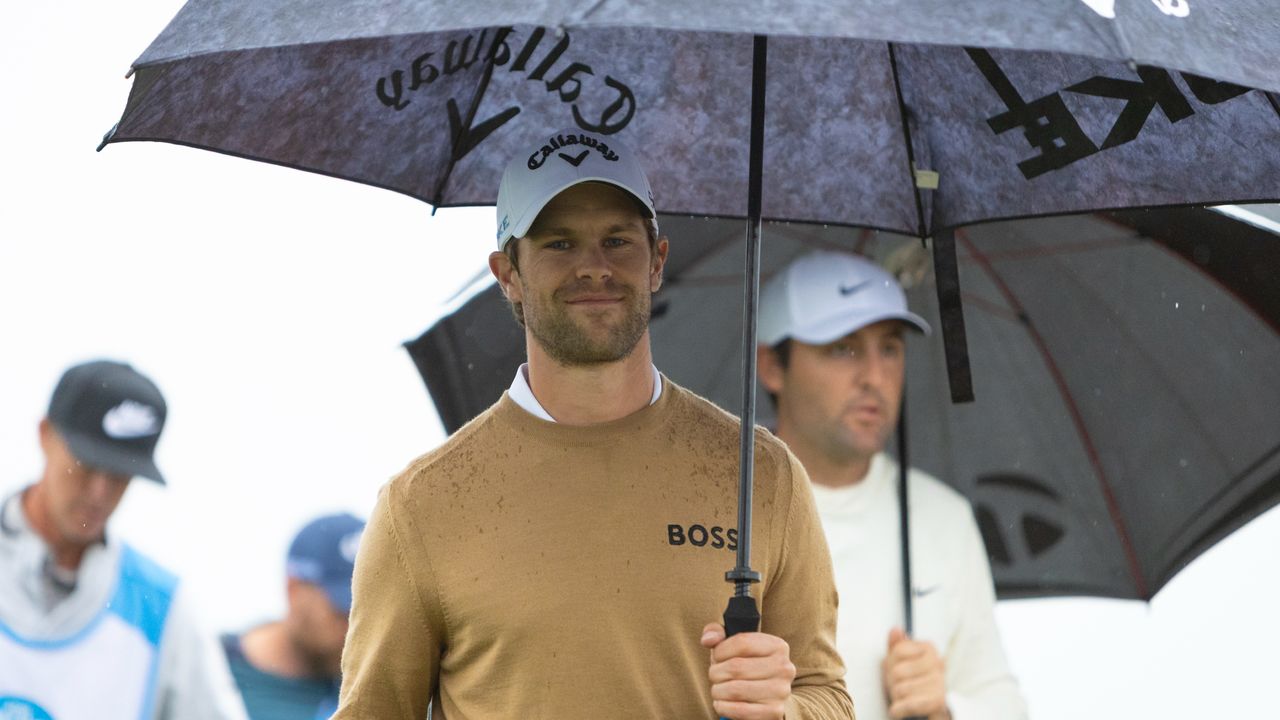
(979, 683)
(390, 664)
(800, 604)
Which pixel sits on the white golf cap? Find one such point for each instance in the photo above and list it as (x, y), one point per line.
(557, 163)
(826, 295)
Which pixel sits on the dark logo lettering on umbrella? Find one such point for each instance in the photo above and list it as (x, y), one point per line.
(1049, 126)
(395, 89)
(1019, 505)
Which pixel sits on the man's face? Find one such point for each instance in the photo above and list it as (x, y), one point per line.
(843, 398)
(76, 500)
(585, 275)
(316, 628)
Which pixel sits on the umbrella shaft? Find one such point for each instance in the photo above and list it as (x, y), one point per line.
(904, 517)
(746, 458)
(742, 576)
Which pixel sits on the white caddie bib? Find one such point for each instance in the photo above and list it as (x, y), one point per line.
(107, 669)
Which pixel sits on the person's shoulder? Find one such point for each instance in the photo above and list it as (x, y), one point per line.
(702, 410)
(232, 648)
(151, 597)
(477, 435)
(933, 497)
(686, 402)
(140, 567)
(715, 420)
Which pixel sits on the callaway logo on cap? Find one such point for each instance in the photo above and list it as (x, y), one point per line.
(557, 163)
(573, 156)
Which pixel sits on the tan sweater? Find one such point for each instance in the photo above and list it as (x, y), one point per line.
(527, 569)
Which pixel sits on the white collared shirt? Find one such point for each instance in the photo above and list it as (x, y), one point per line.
(522, 394)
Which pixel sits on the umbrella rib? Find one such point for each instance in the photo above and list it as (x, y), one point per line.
(1268, 456)
(906, 134)
(1073, 410)
(992, 308)
(1260, 314)
(582, 16)
(1069, 248)
(460, 137)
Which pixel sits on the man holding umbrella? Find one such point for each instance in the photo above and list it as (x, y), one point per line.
(562, 554)
(832, 355)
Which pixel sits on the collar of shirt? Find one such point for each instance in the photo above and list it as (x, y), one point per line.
(13, 521)
(43, 580)
(522, 395)
(855, 499)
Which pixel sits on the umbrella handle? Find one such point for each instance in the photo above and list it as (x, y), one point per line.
(741, 616)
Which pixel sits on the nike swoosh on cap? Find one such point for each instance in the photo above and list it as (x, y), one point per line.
(130, 419)
(847, 290)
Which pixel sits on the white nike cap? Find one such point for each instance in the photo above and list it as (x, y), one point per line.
(826, 295)
(557, 163)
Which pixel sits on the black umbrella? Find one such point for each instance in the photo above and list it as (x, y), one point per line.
(892, 120)
(1128, 409)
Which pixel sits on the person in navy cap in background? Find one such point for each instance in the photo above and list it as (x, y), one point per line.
(289, 668)
(89, 626)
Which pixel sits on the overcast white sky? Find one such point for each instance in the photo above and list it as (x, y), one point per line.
(269, 305)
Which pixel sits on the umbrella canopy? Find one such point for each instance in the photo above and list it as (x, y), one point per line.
(893, 120)
(918, 120)
(1128, 409)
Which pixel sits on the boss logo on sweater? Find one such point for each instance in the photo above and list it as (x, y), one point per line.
(703, 536)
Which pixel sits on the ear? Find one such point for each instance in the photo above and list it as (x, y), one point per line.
(768, 369)
(660, 250)
(46, 434)
(506, 274)
(48, 443)
(293, 591)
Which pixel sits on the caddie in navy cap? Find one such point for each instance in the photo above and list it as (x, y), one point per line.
(291, 667)
(110, 416)
(323, 553)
